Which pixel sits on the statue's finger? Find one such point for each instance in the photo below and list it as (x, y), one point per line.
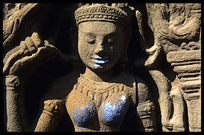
(36, 40)
(24, 49)
(31, 47)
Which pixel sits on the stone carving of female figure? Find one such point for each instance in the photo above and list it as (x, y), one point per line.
(107, 96)
(102, 97)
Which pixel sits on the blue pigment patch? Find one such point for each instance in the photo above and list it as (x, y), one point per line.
(113, 113)
(97, 58)
(96, 66)
(100, 61)
(82, 115)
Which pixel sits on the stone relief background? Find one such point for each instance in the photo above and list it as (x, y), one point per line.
(166, 40)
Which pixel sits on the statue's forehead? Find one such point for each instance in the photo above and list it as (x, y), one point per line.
(98, 27)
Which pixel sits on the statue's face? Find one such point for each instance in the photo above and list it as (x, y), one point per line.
(100, 44)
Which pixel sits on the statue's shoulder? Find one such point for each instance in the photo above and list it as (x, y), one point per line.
(137, 81)
(62, 86)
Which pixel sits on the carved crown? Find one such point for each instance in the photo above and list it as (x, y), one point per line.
(100, 12)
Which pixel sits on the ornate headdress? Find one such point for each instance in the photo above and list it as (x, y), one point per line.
(100, 12)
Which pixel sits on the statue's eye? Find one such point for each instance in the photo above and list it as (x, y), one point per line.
(110, 41)
(111, 48)
(91, 39)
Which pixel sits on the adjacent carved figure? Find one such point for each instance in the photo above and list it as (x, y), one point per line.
(115, 91)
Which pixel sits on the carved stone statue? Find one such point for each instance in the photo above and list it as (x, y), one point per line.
(130, 73)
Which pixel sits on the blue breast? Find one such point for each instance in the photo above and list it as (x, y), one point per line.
(82, 115)
(113, 112)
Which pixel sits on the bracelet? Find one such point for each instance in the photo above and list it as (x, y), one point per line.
(54, 106)
(12, 82)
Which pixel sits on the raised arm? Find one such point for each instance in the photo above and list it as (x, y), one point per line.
(32, 53)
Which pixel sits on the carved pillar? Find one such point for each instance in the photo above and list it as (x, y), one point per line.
(187, 65)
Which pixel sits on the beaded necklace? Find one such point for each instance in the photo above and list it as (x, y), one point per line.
(100, 91)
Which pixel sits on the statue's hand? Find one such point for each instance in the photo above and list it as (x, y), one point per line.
(32, 52)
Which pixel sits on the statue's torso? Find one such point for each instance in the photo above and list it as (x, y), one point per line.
(100, 106)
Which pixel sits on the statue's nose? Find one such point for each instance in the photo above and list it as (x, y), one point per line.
(99, 48)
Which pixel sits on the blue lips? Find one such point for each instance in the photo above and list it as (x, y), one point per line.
(99, 61)
(98, 58)
(96, 66)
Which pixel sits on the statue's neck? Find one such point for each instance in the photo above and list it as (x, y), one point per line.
(98, 76)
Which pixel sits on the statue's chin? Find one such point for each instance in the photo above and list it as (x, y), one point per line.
(100, 68)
